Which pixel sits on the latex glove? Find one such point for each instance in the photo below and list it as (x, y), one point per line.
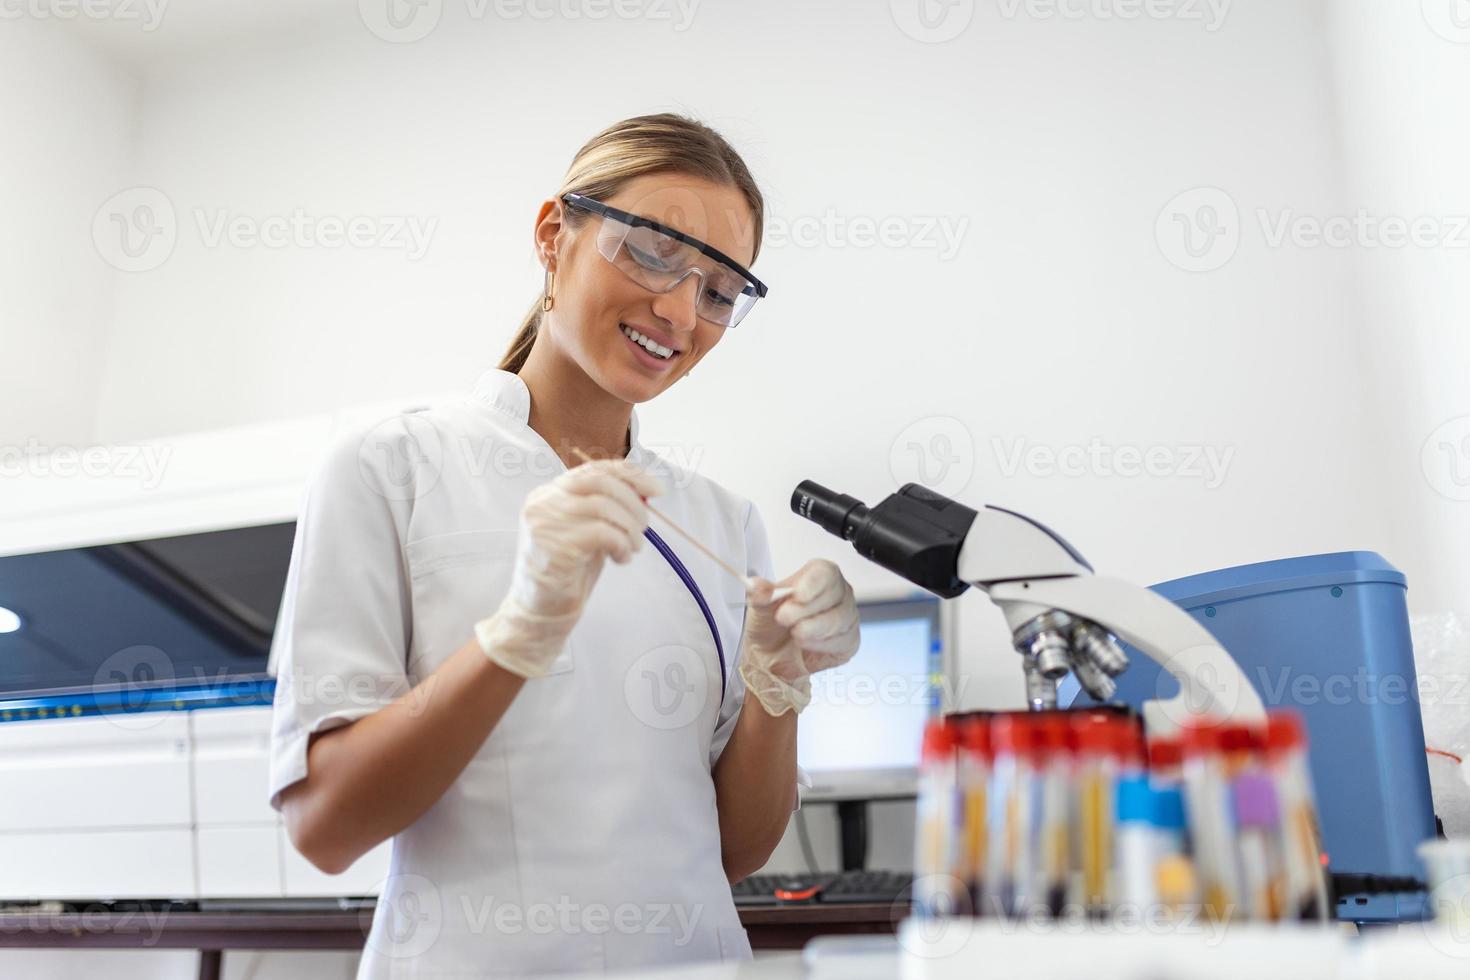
(567, 529)
(789, 639)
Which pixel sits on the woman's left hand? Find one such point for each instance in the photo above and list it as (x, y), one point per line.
(812, 628)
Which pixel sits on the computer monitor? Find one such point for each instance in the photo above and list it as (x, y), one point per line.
(859, 738)
(130, 618)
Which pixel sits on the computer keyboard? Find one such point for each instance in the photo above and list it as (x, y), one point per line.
(846, 887)
(867, 886)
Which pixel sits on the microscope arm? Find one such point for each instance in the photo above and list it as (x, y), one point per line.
(1210, 681)
(1062, 617)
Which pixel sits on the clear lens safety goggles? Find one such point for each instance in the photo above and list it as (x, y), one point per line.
(659, 258)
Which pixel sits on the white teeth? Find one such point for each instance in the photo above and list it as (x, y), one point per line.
(646, 343)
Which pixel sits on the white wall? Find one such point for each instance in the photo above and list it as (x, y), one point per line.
(1403, 71)
(1058, 322)
(67, 126)
(1053, 144)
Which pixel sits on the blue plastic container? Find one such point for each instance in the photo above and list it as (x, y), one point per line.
(1327, 635)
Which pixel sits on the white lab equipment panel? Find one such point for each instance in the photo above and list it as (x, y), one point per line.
(232, 766)
(115, 771)
(240, 862)
(97, 865)
(239, 843)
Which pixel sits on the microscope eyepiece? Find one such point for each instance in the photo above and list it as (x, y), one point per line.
(836, 513)
(915, 532)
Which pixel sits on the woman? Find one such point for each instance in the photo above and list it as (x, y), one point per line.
(567, 771)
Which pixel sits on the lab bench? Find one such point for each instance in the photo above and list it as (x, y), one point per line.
(211, 932)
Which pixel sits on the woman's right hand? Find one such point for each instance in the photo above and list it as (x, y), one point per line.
(568, 527)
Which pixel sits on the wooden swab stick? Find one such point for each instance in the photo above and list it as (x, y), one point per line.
(745, 580)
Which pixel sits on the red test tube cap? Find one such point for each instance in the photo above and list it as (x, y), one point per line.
(939, 740)
(1284, 732)
(1165, 753)
(975, 735)
(1012, 733)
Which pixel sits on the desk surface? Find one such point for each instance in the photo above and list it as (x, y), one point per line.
(770, 927)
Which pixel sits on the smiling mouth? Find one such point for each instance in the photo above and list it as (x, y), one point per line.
(655, 349)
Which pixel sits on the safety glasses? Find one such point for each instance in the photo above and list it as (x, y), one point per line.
(659, 258)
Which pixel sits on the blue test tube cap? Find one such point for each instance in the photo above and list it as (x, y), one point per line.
(1135, 800)
(1168, 808)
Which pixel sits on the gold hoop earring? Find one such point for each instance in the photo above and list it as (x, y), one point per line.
(546, 299)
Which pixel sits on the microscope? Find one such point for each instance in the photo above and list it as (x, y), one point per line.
(1063, 618)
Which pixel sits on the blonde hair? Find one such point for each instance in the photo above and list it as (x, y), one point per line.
(662, 143)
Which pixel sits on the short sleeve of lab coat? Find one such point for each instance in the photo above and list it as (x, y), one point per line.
(757, 562)
(341, 639)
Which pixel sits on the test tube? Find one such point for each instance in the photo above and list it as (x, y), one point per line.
(1257, 821)
(936, 890)
(1206, 800)
(1301, 835)
(1013, 806)
(1096, 763)
(1054, 825)
(1175, 883)
(974, 777)
(1137, 848)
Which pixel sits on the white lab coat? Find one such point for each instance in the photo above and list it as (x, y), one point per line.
(583, 834)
